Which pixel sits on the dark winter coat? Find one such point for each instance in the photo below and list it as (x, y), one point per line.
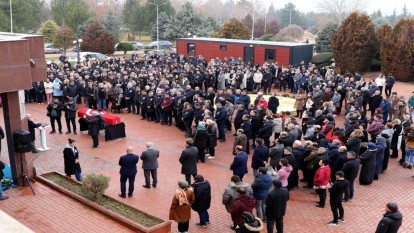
(69, 157)
(273, 104)
(266, 130)
(390, 223)
(260, 155)
(368, 160)
(351, 168)
(70, 111)
(244, 203)
(239, 165)
(32, 127)
(381, 145)
(298, 153)
(261, 186)
(353, 144)
(212, 135)
(128, 164)
(337, 190)
(247, 128)
(276, 153)
(201, 139)
(93, 125)
(188, 160)
(202, 193)
(276, 203)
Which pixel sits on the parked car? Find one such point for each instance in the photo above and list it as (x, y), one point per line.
(137, 45)
(86, 55)
(163, 44)
(160, 52)
(50, 49)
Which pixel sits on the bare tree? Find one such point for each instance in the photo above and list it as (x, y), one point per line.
(340, 9)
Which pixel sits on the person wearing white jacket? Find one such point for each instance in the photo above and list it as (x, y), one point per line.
(380, 81)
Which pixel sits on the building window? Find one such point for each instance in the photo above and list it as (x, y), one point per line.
(270, 55)
(223, 47)
(190, 49)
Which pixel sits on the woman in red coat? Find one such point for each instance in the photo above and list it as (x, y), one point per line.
(321, 181)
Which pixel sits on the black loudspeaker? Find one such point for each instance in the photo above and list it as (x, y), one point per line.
(22, 141)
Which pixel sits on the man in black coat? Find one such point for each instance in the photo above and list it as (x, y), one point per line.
(188, 118)
(273, 103)
(188, 160)
(239, 165)
(54, 112)
(143, 104)
(93, 128)
(260, 156)
(391, 221)
(336, 192)
(350, 169)
(276, 206)
(149, 159)
(70, 115)
(150, 106)
(32, 127)
(265, 132)
(128, 171)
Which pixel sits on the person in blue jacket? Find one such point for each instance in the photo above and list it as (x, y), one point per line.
(261, 186)
(220, 118)
(239, 165)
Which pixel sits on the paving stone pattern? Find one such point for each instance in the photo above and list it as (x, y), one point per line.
(50, 211)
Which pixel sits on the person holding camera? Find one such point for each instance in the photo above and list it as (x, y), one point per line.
(54, 112)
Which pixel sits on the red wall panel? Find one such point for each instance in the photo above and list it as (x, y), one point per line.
(211, 50)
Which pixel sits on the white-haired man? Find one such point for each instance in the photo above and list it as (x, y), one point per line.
(149, 159)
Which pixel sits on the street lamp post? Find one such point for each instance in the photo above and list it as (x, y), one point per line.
(158, 32)
(254, 14)
(77, 43)
(11, 17)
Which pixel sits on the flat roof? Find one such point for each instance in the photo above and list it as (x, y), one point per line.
(255, 42)
(7, 36)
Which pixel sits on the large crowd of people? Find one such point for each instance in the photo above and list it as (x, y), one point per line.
(207, 100)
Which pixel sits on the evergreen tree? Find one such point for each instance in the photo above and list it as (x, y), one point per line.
(272, 27)
(111, 25)
(27, 15)
(323, 41)
(163, 22)
(188, 22)
(72, 13)
(149, 13)
(355, 43)
(397, 51)
(378, 19)
(248, 21)
(96, 39)
(48, 29)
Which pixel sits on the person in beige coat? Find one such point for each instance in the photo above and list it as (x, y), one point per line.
(300, 102)
(48, 90)
(180, 210)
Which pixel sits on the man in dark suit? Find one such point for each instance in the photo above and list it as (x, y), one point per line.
(32, 127)
(260, 156)
(188, 160)
(351, 169)
(276, 206)
(150, 164)
(128, 171)
(239, 165)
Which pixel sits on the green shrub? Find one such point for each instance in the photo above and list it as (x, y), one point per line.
(267, 37)
(322, 58)
(124, 47)
(94, 186)
(321, 65)
(375, 65)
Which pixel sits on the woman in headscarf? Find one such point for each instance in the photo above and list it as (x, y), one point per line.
(180, 210)
(368, 160)
(381, 144)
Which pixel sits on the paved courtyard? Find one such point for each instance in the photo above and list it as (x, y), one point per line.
(50, 211)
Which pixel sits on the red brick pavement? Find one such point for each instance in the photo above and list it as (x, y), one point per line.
(50, 211)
